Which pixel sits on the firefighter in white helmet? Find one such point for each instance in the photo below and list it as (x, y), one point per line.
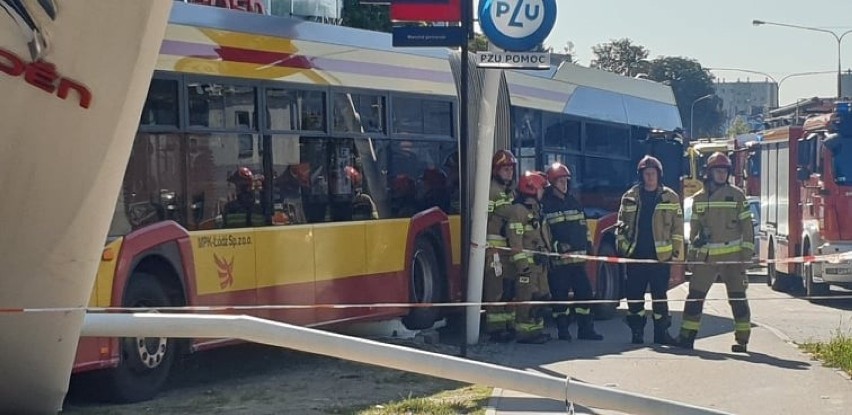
(720, 230)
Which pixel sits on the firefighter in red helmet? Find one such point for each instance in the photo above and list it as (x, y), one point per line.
(650, 226)
(245, 209)
(720, 230)
(528, 232)
(569, 235)
(499, 269)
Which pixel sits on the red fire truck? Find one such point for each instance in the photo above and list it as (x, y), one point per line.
(746, 159)
(805, 193)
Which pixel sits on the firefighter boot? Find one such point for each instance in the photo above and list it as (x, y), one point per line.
(740, 348)
(586, 328)
(637, 328)
(686, 339)
(563, 321)
(539, 338)
(661, 332)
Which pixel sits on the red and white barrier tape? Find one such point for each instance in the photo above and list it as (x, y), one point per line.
(384, 305)
(831, 258)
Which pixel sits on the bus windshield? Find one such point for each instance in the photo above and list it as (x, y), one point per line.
(843, 163)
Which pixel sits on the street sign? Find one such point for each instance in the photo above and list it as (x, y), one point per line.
(513, 60)
(517, 25)
(432, 36)
(426, 10)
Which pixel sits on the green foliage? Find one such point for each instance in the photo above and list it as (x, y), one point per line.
(479, 43)
(468, 400)
(836, 353)
(690, 81)
(369, 17)
(620, 56)
(739, 126)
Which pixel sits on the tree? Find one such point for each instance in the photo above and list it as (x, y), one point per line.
(479, 43)
(620, 56)
(739, 126)
(690, 81)
(366, 16)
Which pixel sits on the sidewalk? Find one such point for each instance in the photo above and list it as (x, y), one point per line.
(773, 378)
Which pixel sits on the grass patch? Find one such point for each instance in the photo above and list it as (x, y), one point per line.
(836, 353)
(470, 400)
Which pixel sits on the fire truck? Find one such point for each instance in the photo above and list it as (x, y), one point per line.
(805, 195)
(746, 158)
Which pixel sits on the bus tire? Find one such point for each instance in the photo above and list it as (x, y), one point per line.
(608, 286)
(144, 363)
(425, 285)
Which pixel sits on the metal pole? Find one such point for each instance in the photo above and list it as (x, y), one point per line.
(464, 153)
(375, 353)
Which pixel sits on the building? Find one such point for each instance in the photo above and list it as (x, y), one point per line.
(746, 99)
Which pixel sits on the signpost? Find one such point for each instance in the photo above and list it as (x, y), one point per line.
(516, 26)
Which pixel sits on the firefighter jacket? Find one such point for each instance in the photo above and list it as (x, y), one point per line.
(721, 227)
(667, 223)
(567, 223)
(527, 231)
(500, 199)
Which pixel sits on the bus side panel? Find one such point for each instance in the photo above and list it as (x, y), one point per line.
(598, 229)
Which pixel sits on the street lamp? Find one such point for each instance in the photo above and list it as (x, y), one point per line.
(692, 114)
(838, 38)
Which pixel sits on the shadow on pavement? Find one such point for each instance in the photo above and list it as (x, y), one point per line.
(541, 405)
(751, 357)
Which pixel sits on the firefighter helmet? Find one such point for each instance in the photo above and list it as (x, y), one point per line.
(531, 182)
(502, 158)
(719, 159)
(403, 186)
(557, 170)
(353, 174)
(649, 162)
(242, 177)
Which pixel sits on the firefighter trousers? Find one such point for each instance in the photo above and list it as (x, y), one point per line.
(500, 273)
(639, 278)
(736, 283)
(563, 279)
(528, 287)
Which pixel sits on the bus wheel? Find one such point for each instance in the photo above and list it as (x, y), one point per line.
(608, 285)
(144, 362)
(813, 289)
(425, 286)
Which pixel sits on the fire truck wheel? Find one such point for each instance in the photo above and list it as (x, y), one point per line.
(772, 275)
(812, 288)
(145, 362)
(608, 285)
(425, 284)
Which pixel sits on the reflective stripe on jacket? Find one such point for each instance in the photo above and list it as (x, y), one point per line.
(499, 203)
(667, 223)
(721, 224)
(567, 223)
(526, 231)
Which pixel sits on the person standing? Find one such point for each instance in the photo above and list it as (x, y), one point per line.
(527, 233)
(564, 215)
(650, 227)
(499, 268)
(720, 230)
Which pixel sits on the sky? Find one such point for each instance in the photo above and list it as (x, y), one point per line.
(719, 34)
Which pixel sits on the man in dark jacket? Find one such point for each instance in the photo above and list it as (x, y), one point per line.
(567, 222)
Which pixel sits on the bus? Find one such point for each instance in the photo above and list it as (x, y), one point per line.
(597, 123)
(279, 162)
(696, 156)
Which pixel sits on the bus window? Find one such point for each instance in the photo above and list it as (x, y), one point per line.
(218, 106)
(161, 106)
(561, 132)
(153, 182)
(216, 187)
(295, 110)
(607, 140)
(359, 113)
(424, 163)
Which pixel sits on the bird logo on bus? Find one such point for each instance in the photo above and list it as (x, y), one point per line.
(31, 24)
(225, 269)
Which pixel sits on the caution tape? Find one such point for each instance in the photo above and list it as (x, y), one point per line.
(809, 259)
(393, 305)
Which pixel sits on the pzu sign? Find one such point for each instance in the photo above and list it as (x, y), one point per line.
(517, 25)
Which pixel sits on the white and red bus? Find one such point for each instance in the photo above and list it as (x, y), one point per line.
(278, 162)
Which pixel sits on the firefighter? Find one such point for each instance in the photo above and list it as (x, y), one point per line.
(567, 222)
(720, 230)
(499, 269)
(527, 231)
(650, 227)
(245, 209)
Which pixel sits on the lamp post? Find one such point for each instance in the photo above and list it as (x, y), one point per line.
(837, 37)
(692, 114)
